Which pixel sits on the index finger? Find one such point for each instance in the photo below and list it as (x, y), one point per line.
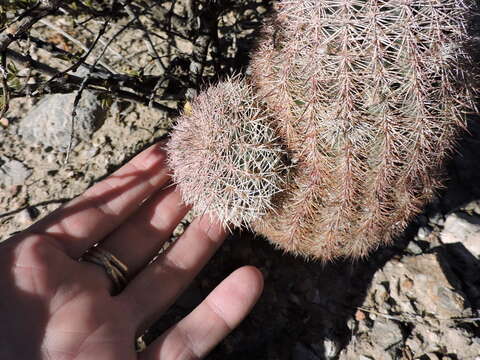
(91, 216)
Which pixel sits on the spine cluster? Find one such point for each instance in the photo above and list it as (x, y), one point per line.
(227, 160)
(366, 99)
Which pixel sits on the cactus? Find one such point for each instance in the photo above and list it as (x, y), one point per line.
(367, 98)
(226, 157)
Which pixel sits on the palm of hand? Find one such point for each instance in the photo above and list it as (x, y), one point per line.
(66, 314)
(55, 307)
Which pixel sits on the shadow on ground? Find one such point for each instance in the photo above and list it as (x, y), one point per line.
(306, 308)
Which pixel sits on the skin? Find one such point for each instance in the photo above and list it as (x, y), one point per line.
(54, 307)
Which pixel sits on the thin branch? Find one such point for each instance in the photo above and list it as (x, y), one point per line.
(151, 48)
(16, 30)
(84, 27)
(83, 85)
(79, 43)
(84, 57)
(98, 81)
(114, 13)
(78, 96)
(64, 34)
(149, 42)
(52, 49)
(28, 61)
(5, 89)
(157, 86)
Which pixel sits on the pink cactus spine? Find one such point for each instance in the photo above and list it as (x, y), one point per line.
(226, 157)
(367, 98)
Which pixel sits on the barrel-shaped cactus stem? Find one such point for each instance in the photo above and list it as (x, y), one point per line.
(225, 156)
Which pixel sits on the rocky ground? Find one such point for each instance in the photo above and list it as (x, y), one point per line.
(418, 299)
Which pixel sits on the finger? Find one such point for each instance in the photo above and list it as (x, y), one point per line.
(91, 216)
(137, 240)
(155, 288)
(198, 333)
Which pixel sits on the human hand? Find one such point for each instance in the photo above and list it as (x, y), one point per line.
(53, 306)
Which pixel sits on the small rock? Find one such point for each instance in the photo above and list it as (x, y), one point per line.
(184, 46)
(380, 294)
(24, 218)
(351, 324)
(12, 172)
(331, 349)
(437, 219)
(386, 333)
(413, 344)
(429, 287)
(423, 232)
(406, 284)
(49, 122)
(421, 293)
(360, 315)
(463, 228)
(473, 207)
(414, 248)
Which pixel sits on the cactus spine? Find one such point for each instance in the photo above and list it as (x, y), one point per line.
(367, 98)
(226, 157)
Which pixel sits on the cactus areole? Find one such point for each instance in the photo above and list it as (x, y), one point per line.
(339, 134)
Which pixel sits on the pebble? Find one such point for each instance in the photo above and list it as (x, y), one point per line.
(414, 248)
(360, 315)
(473, 206)
(437, 219)
(423, 232)
(462, 228)
(386, 333)
(432, 291)
(12, 172)
(331, 349)
(24, 217)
